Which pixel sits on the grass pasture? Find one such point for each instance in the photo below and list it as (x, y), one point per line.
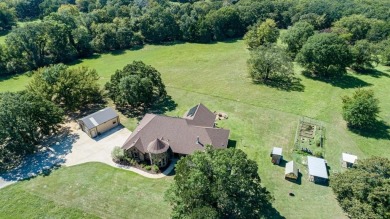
(260, 117)
(92, 190)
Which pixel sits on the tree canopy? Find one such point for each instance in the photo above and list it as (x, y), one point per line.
(270, 63)
(135, 85)
(262, 34)
(364, 190)
(69, 88)
(296, 36)
(25, 119)
(7, 17)
(217, 184)
(69, 29)
(360, 110)
(325, 54)
(363, 55)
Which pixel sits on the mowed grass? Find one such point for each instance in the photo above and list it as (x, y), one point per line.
(260, 117)
(91, 190)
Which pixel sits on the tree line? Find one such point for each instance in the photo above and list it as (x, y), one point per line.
(68, 30)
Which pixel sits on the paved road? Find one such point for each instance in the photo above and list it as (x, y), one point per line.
(74, 147)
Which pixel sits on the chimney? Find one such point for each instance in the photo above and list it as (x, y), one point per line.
(197, 140)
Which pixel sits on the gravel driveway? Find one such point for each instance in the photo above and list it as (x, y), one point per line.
(71, 147)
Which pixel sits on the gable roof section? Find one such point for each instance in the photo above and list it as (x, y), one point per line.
(291, 167)
(277, 151)
(177, 132)
(317, 167)
(349, 158)
(199, 115)
(99, 117)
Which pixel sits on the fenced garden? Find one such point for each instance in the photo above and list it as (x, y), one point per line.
(309, 139)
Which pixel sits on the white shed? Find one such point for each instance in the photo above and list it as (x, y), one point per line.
(348, 160)
(276, 155)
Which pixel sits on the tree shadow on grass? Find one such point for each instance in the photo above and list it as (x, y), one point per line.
(159, 107)
(293, 84)
(269, 211)
(232, 143)
(379, 130)
(51, 156)
(290, 84)
(345, 81)
(373, 72)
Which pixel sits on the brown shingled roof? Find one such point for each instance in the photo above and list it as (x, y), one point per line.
(180, 134)
(199, 115)
(158, 146)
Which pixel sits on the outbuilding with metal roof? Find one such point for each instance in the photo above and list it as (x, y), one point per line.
(99, 122)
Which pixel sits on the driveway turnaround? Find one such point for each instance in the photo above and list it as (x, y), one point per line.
(72, 147)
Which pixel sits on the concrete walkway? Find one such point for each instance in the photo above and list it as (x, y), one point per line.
(72, 147)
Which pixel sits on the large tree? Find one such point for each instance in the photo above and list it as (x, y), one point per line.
(262, 34)
(296, 36)
(7, 17)
(135, 85)
(363, 55)
(364, 190)
(66, 87)
(354, 27)
(217, 184)
(325, 54)
(158, 25)
(269, 63)
(360, 110)
(25, 119)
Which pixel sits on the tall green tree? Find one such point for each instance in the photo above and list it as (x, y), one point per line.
(364, 190)
(25, 119)
(7, 17)
(69, 88)
(296, 36)
(363, 55)
(268, 63)
(360, 110)
(158, 25)
(355, 26)
(384, 52)
(135, 85)
(262, 33)
(325, 54)
(224, 23)
(217, 184)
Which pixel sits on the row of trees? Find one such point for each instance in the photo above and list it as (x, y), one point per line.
(74, 29)
(353, 42)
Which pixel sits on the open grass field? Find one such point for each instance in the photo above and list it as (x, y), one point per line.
(92, 190)
(260, 117)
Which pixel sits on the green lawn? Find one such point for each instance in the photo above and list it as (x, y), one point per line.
(260, 117)
(92, 190)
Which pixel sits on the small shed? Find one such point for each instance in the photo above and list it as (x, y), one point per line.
(348, 160)
(291, 171)
(276, 155)
(318, 172)
(99, 122)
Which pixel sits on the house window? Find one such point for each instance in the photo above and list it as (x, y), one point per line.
(135, 155)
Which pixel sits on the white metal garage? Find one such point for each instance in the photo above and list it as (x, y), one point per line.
(99, 122)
